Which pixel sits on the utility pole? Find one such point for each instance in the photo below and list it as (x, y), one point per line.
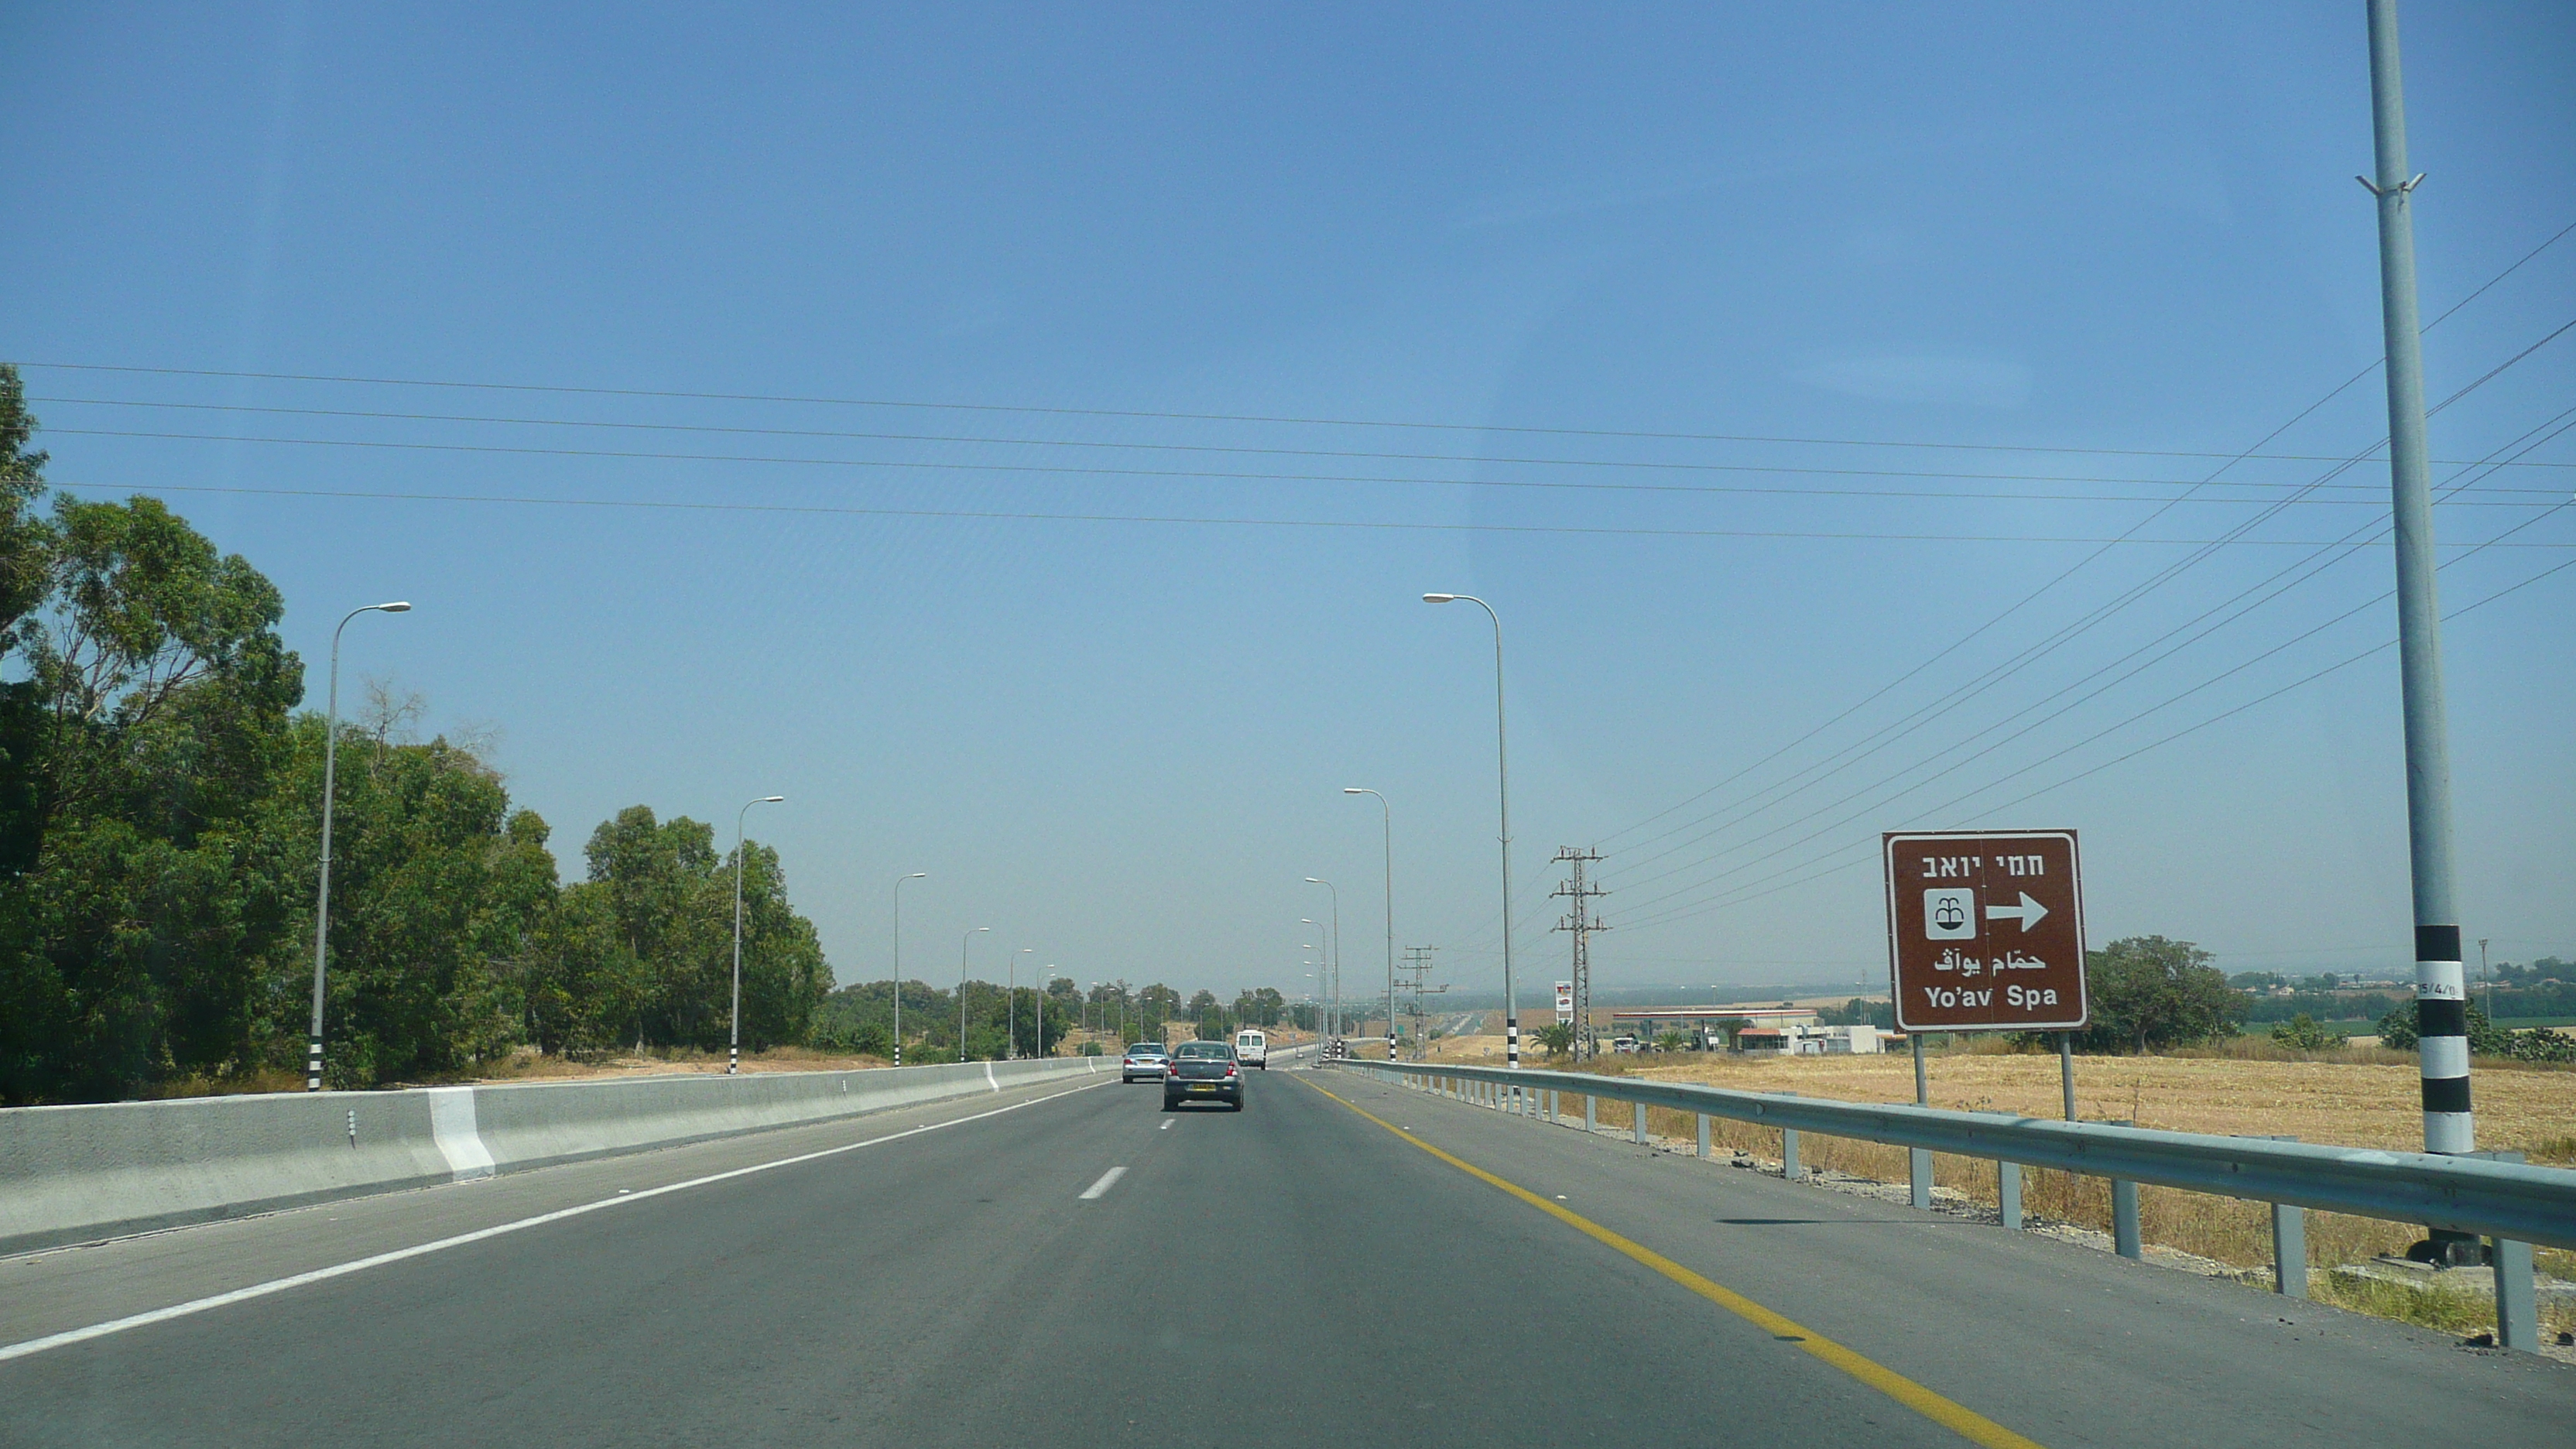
(2441, 993)
(1580, 924)
(1417, 966)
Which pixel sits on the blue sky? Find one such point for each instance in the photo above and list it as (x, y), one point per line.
(1040, 274)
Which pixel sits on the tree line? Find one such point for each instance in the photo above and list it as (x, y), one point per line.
(160, 806)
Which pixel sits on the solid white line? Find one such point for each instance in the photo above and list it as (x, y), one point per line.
(1166, 1127)
(340, 1270)
(1107, 1181)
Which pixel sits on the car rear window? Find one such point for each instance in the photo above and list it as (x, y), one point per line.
(1206, 1049)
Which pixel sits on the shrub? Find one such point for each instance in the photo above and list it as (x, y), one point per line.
(2301, 1033)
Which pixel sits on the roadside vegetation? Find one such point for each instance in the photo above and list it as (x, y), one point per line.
(160, 810)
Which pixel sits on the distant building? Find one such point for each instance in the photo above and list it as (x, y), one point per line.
(1649, 1022)
(1806, 1039)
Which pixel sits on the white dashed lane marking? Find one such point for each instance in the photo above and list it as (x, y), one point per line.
(1107, 1181)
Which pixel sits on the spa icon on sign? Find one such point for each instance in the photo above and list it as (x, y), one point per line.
(1950, 914)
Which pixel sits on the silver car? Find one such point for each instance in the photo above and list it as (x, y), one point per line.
(1146, 1061)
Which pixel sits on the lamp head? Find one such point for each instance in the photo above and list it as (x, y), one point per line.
(770, 800)
(1439, 598)
(1353, 790)
(398, 606)
(981, 929)
(918, 875)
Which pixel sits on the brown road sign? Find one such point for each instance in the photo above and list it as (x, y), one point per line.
(1985, 932)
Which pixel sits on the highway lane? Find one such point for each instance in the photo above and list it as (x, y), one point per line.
(1250, 1278)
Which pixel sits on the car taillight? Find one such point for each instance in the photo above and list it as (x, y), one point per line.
(1229, 1069)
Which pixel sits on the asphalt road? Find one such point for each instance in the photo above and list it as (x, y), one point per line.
(1292, 1273)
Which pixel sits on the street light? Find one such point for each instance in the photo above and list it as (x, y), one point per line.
(1306, 921)
(1336, 967)
(1037, 1009)
(961, 989)
(322, 900)
(898, 960)
(733, 1052)
(1011, 1005)
(1386, 828)
(1503, 789)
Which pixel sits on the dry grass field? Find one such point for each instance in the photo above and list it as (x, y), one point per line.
(2359, 1097)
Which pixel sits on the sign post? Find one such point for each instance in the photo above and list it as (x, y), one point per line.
(1985, 932)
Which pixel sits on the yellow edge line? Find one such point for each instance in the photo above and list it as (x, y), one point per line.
(1966, 1422)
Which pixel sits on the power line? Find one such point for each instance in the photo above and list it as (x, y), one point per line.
(1648, 464)
(2350, 543)
(1739, 895)
(2165, 703)
(2138, 592)
(1213, 521)
(1266, 419)
(1200, 475)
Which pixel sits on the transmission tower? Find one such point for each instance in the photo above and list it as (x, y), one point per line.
(1580, 923)
(1417, 966)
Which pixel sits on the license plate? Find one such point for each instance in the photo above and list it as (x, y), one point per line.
(1202, 1088)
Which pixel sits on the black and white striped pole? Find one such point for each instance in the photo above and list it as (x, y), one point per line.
(733, 1049)
(2441, 988)
(322, 895)
(1503, 789)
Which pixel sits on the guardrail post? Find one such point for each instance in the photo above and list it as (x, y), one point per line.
(1637, 1122)
(2517, 1302)
(1703, 1136)
(1789, 1150)
(1551, 1107)
(2124, 1219)
(2290, 1250)
(1591, 1113)
(1918, 1174)
(2008, 1194)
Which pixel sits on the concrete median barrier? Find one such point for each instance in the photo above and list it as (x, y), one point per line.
(78, 1174)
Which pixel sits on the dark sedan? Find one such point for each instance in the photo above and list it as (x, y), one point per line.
(1203, 1071)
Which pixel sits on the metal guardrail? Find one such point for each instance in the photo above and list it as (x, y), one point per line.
(2472, 1195)
(2511, 1202)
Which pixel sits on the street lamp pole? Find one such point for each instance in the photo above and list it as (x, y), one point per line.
(1503, 788)
(961, 989)
(322, 900)
(1386, 827)
(733, 1051)
(1336, 938)
(1011, 1004)
(898, 960)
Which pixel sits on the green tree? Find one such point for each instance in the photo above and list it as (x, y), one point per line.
(1557, 1037)
(2148, 992)
(144, 735)
(669, 897)
(26, 576)
(441, 896)
(2401, 1030)
(583, 989)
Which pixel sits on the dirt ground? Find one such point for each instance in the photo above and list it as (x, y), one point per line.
(2358, 1098)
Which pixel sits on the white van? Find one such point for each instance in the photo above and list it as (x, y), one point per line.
(1252, 1049)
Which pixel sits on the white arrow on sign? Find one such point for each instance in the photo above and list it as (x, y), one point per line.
(2028, 912)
